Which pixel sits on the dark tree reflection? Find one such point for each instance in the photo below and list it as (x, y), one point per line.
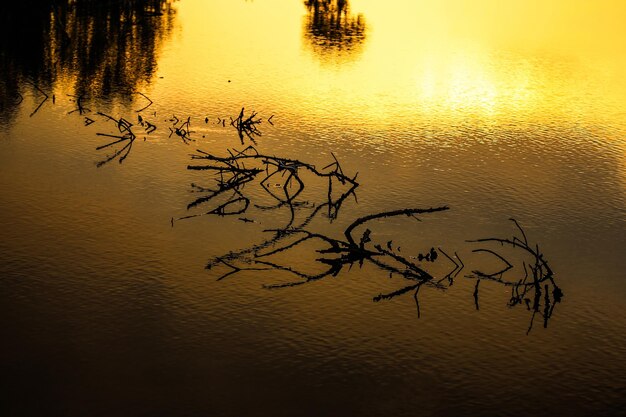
(100, 48)
(332, 30)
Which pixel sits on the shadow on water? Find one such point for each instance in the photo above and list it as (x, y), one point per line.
(332, 31)
(99, 48)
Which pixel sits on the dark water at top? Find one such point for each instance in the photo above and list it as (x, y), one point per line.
(491, 112)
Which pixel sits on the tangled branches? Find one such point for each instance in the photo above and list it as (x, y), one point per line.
(126, 137)
(535, 287)
(537, 290)
(283, 179)
(247, 126)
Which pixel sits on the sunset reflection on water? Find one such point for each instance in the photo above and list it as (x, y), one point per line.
(435, 62)
(126, 287)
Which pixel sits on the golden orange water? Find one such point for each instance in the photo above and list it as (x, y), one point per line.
(496, 109)
(526, 62)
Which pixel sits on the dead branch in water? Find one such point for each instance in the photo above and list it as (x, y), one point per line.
(403, 212)
(336, 255)
(42, 101)
(79, 105)
(183, 130)
(127, 138)
(523, 290)
(242, 167)
(537, 290)
(247, 126)
(150, 102)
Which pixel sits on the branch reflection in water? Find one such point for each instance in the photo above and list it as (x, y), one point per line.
(525, 269)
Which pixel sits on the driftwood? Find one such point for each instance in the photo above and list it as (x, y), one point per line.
(42, 101)
(537, 289)
(79, 105)
(247, 126)
(126, 138)
(538, 277)
(181, 128)
(150, 102)
(239, 168)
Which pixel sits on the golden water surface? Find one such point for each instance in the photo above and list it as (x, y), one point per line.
(495, 109)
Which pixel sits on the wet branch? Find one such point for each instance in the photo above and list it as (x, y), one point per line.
(524, 291)
(42, 101)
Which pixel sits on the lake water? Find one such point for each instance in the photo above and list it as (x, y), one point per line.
(484, 111)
